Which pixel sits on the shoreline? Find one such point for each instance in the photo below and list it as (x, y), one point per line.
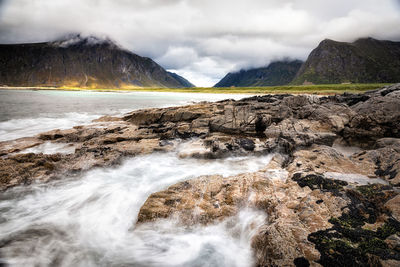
(308, 184)
(325, 89)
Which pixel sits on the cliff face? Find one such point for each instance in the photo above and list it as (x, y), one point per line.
(277, 73)
(81, 62)
(363, 61)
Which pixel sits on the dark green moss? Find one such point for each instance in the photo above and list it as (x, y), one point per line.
(347, 243)
(347, 221)
(314, 181)
(373, 246)
(390, 227)
(301, 262)
(336, 252)
(372, 189)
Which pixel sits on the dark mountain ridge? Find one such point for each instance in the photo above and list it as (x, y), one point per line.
(366, 60)
(81, 62)
(276, 73)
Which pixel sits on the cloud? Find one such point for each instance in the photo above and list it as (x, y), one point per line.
(204, 39)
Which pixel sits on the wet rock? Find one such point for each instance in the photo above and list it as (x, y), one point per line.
(246, 143)
(375, 118)
(393, 242)
(20, 144)
(107, 119)
(322, 159)
(387, 161)
(24, 168)
(384, 142)
(292, 134)
(393, 205)
(292, 211)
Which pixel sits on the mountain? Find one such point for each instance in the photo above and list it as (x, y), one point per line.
(183, 81)
(276, 73)
(81, 62)
(366, 60)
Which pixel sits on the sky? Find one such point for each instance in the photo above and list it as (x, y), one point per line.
(203, 40)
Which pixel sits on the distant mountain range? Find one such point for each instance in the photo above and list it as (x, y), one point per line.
(92, 62)
(276, 73)
(81, 62)
(366, 60)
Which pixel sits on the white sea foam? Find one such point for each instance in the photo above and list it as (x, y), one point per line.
(88, 221)
(17, 128)
(355, 178)
(50, 148)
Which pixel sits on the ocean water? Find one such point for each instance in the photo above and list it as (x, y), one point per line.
(27, 112)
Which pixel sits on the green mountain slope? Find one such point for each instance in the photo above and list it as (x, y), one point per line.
(366, 60)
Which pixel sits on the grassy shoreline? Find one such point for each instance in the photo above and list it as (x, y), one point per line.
(325, 89)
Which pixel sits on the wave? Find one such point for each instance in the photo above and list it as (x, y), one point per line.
(89, 221)
(17, 128)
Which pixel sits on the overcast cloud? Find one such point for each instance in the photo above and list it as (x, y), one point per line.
(204, 39)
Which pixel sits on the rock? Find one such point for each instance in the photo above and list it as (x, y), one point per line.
(322, 159)
(393, 242)
(202, 200)
(393, 205)
(236, 119)
(375, 118)
(292, 211)
(387, 161)
(390, 263)
(20, 144)
(104, 145)
(347, 243)
(384, 142)
(246, 143)
(292, 134)
(107, 119)
(24, 168)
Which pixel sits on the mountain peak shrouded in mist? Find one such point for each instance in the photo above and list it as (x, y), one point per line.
(366, 60)
(81, 61)
(78, 39)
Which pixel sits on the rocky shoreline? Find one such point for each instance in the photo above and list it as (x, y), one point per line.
(317, 190)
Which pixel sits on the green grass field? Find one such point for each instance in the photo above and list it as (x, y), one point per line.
(325, 89)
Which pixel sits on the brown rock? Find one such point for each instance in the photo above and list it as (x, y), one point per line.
(393, 206)
(292, 211)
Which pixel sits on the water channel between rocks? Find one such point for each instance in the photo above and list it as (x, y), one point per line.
(89, 221)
